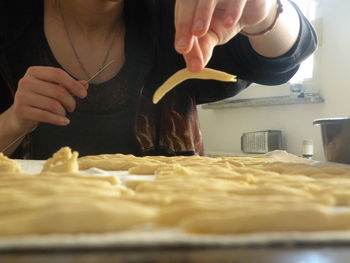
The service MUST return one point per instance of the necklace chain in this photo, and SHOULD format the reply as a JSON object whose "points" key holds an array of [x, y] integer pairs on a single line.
{"points": [[76, 55]]}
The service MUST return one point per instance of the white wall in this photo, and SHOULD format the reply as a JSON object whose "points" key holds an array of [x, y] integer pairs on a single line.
{"points": [[222, 128]]}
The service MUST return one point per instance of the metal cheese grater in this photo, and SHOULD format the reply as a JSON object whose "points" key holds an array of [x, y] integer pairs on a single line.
{"points": [[261, 141]]}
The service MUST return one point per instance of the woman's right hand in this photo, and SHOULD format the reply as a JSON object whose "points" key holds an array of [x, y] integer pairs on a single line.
{"points": [[45, 94]]}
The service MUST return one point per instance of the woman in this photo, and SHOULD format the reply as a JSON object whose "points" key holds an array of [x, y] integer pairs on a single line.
{"points": [[49, 48]]}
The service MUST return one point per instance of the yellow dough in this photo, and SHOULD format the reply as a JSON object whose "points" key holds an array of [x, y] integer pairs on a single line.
{"points": [[109, 162], [48, 203], [7, 165], [63, 161], [224, 195], [185, 74], [293, 218], [73, 215]]}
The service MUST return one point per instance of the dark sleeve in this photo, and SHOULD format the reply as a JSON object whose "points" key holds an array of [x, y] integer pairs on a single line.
{"points": [[239, 58], [6, 12], [251, 66], [15, 16], [6, 98]]}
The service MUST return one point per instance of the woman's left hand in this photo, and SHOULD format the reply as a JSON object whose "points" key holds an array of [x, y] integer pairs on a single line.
{"points": [[203, 24]]}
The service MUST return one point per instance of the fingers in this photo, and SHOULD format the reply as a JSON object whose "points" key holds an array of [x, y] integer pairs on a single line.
{"points": [[58, 76], [45, 94], [202, 17], [198, 30], [184, 11], [201, 53], [39, 115], [233, 12], [207, 45], [192, 19], [53, 91], [194, 59], [35, 107], [44, 103]]}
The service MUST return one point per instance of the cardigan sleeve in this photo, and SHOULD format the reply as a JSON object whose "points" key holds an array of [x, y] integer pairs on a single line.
{"points": [[15, 16], [239, 58]]}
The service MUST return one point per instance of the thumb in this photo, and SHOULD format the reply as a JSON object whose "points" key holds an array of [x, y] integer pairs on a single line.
{"points": [[194, 58], [207, 45]]}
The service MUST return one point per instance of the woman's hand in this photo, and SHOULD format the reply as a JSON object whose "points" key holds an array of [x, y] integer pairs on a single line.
{"points": [[203, 24], [45, 94]]}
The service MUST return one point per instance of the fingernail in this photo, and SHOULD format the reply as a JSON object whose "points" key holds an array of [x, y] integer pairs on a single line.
{"points": [[71, 109], [228, 21], [182, 43], [82, 93], [198, 26], [64, 121]]}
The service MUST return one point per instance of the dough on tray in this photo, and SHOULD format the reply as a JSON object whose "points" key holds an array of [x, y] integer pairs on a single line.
{"points": [[72, 216], [224, 195], [7, 165], [63, 161]]}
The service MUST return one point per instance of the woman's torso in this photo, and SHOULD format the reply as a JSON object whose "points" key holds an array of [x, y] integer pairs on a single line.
{"points": [[102, 122]]}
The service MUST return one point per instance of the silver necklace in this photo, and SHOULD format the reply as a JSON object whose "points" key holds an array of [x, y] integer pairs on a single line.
{"points": [[76, 55]]}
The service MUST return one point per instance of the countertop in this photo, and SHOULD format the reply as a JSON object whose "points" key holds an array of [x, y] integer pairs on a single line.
{"points": [[299, 254]]}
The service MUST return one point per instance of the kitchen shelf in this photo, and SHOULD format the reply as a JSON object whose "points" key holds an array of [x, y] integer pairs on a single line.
{"points": [[268, 101], [230, 154]]}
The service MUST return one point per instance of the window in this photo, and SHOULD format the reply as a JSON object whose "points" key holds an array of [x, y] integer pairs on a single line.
{"points": [[308, 7]]}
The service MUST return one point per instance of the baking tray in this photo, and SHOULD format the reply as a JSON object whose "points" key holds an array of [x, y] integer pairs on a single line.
{"points": [[170, 238], [150, 236]]}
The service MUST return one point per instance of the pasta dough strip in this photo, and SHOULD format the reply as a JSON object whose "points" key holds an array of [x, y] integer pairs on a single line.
{"points": [[185, 74], [298, 218]]}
